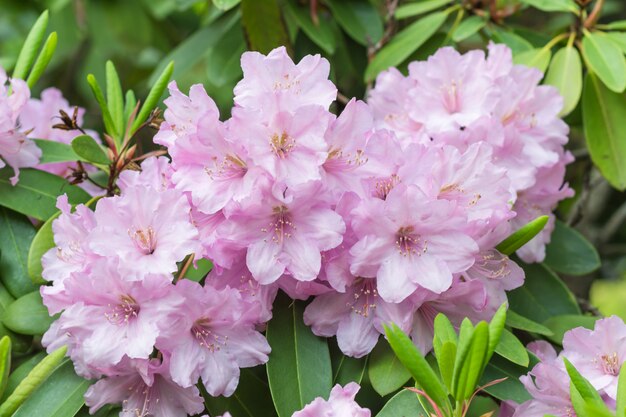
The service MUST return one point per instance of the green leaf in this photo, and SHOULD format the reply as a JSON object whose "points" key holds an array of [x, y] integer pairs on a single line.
{"points": [[620, 406], [472, 368], [263, 25], [28, 315], [566, 74], [405, 404], [52, 152], [225, 4], [570, 253], [104, 107], [619, 39], [566, 322], [115, 98], [404, 44], [20, 373], [511, 388], [322, 34], [251, 399], [522, 236], [417, 8], [61, 395], [42, 243], [198, 273], [88, 149], [617, 25], [604, 113], [299, 369], [587, 392], [36, 193], [496, 327], [468, 27], [29, 50], [385, 371], [153, 97], [33, 380], [415, 363], [359, 19], [224, 59], [130, 104], [43, 59], [538, 58], [512, 349], [606, 60], [347, 369], [19, 343], [17, 233], [5, 362], [542, 296], [520, 322], [514, 41], [445, 354], [553, 5]]}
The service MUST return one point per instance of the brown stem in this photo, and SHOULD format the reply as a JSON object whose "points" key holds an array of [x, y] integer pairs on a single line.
{"points": [[186, 266], [594, 15]]}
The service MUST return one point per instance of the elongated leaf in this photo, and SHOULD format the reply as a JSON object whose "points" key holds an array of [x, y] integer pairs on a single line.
{"points": [[517, 43], [419, 7], [566, 322], [520, 322], [566, 74], [511, 388], [153, 96], [36, 193], [20, 344], [299, 369], [130, 104], [16, 235], [570, 253], [538, 58], [617, 25], [20, 373], [251, 399], [405, 404], [31, 46], [88, 149], [52, 152], [446, 353], [5, 362], [620, 406], [468, 27], [42, 243], [522, 236], [385, 371], [43, 59], [542, 296], [415, 363], [27, 315], [263, 25], [586, 390], [349, 369], [553, 5], [33, 380], [512, 349], [619, 39], [404, 44], [359, 19], [109, 124], [322, 33], [604, 113], [476, 361], [61, 395], [115, 98], [225, 4], [496, 327], [606, 60]]}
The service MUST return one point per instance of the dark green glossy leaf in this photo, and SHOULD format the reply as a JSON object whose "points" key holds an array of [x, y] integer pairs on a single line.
{"points": [[570, 253], [16, 235], [553, 5], [299, 369], [604, 113], [321, 34], [511, 39], [511, 388], [405, 404], [520, 322], [42, 243], [385, 371], [20, 343], [359, 19], [419, 7], [606, 60], [88, 149], [36, 192], [563, 323], [263, 25], [52, 151], [27, 315], [566, 74], [225, 4], [347, 369]]}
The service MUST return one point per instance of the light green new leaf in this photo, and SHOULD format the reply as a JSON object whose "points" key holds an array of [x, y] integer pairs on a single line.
{"points": [[580, 386], [566, 74], [537, 58], [496, 327], [299, 369], [43, 59], [31, 46], [472, 367], [385, 371], [468, 27], [5, 362], [225, 4], [153, 97], [606, 60], [511, 39], [616, 25], [115, 98], [42, 243], [33, 380], [359, 19], [53, 152], [20, 373], [517, 321], [88, 149], [512, 349], [16, 235], [619, 39], [570, 253], [404, 44], [553, 5], [419, 7], [604, 113], [104, 107], [566, 322], [522, 236], [27, 315], [620, 406], [405, 404]]}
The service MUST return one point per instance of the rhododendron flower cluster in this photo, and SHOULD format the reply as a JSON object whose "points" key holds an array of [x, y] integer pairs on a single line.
{"points": [[387, 212], [597, 354]]}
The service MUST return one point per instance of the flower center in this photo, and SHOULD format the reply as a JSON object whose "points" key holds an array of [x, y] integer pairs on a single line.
{"points": [[610, 364], [145, 239], [409, 242], [282, 145], [206, 337], [122, 313], [281, 226], [364, 298], [383, 187], [231, 166], [493, 265], [451, 97]]}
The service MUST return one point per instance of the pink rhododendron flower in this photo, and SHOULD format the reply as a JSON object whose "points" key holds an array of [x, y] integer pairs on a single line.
{"points": [[212, 337], [16, 149], [154, 172], [340, 404]]}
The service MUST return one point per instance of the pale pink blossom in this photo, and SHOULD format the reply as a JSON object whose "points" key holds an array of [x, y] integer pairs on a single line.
{"points": [[154, 172], [340, 404]]}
